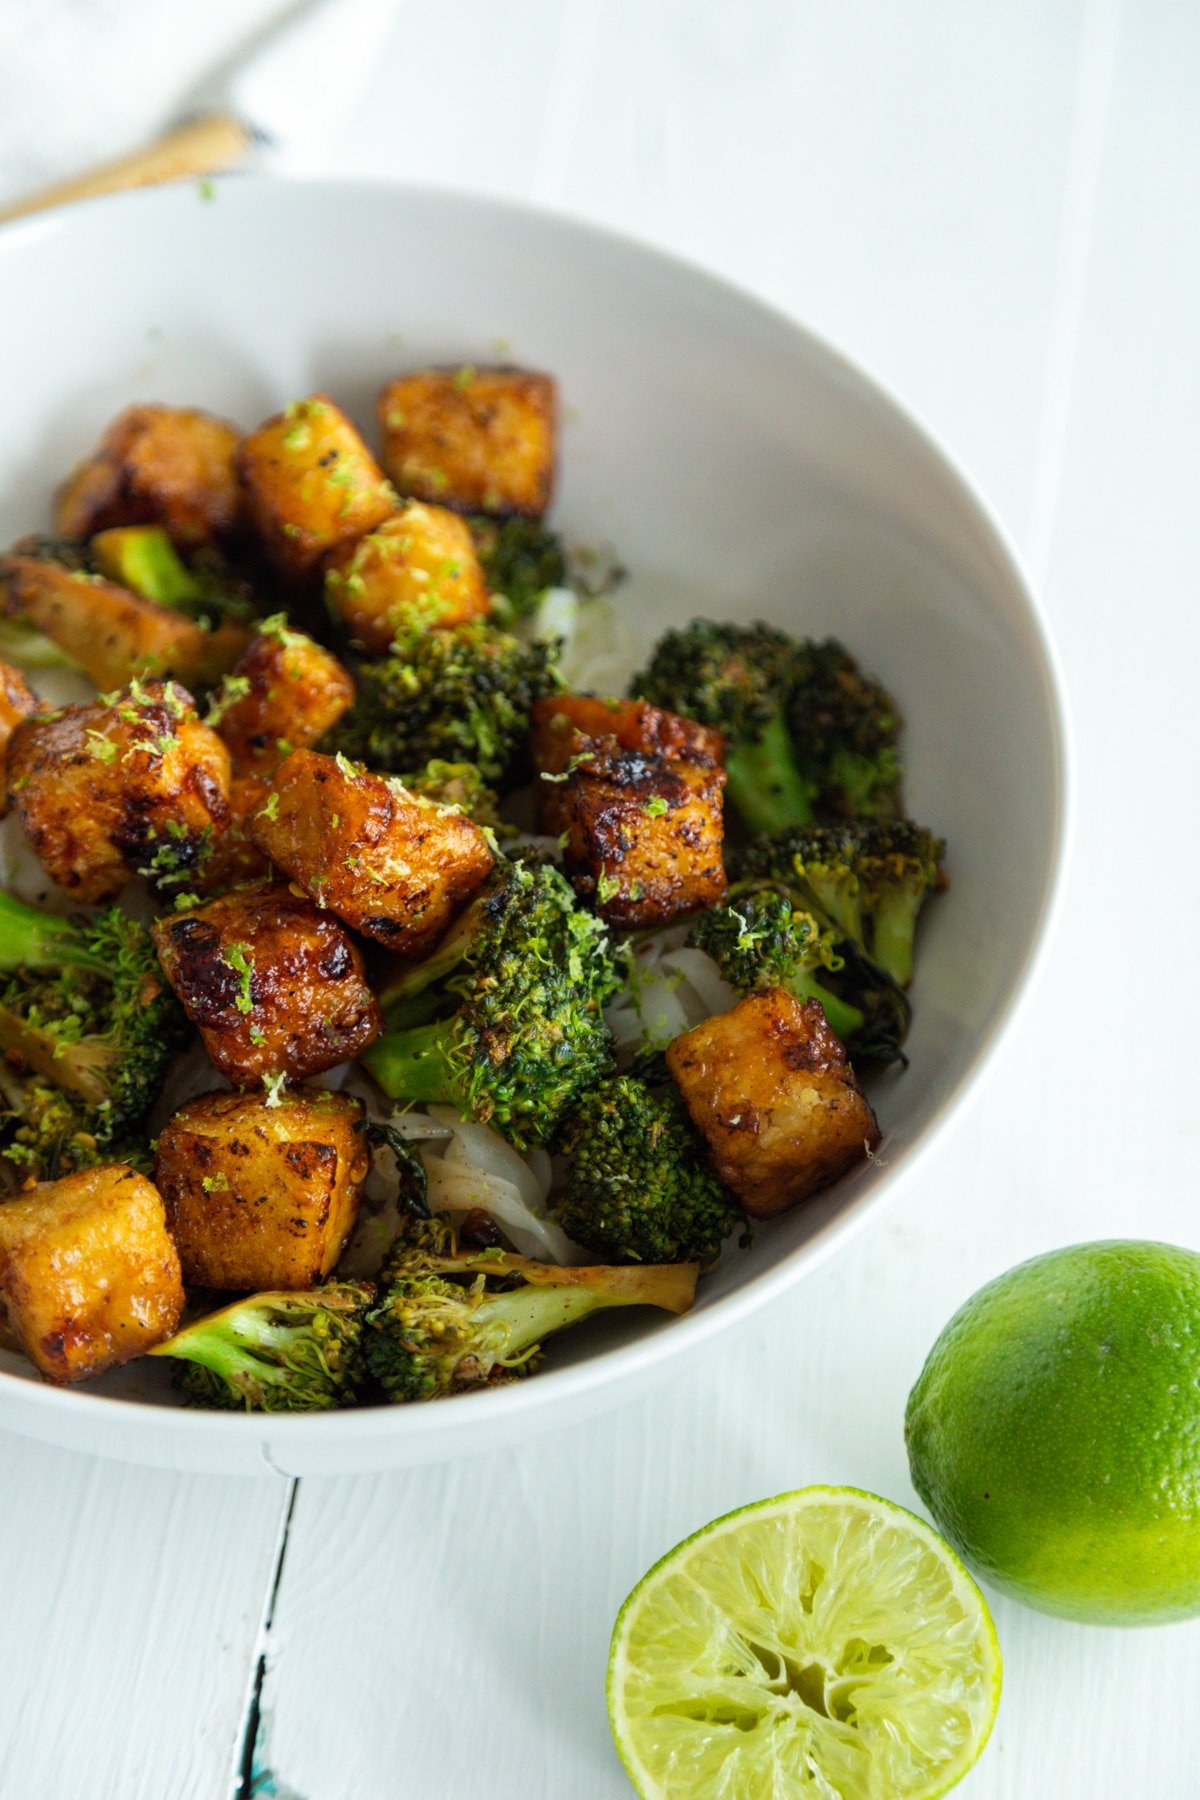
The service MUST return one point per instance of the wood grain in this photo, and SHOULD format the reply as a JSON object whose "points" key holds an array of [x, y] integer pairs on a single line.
{"points": [[200, 147]]}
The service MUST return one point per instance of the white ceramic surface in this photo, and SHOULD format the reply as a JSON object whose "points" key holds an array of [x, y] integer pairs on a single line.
{"points": [[740, 467]]}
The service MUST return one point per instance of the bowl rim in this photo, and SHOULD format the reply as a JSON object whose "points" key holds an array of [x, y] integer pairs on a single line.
{"points": [[664, 1346]]}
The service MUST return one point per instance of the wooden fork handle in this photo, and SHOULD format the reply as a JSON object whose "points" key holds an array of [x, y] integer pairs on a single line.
{"points": [[200, 147]]}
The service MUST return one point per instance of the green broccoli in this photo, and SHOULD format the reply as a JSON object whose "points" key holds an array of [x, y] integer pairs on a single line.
{"points": [[447, 1322], [871, 879], [144, 559], [521, 558], [461, 695], [456, 784], [87, 1027], [293, 1352], [807, 734], [761, 938], [504, 1020], [639, 1186], [844, 729]]}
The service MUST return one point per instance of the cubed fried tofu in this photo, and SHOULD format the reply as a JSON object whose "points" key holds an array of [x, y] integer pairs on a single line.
{"points": [[112, 633], [262, 1195], [117, 787], [768, 1087], [17, 701], [156, 465], [311, 485], [283, 694], [643, 834], [88, 1273], [394, 865], [476, 439], [419, 566], [274, 984], [561, 724]]}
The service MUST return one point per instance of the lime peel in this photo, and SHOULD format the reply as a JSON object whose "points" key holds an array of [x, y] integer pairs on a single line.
{"points": [[825, 1643]]}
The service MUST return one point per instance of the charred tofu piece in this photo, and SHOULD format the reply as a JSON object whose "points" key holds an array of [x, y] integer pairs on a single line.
{"points": [[769, 1088], [262, 1194], [393, 864], [283, 694], [134, 784], [88, 1273], [156, 465], [561, 724], [311, 485], [17, 701], [479, 440], [643, 835], [112, 633], [274, 985], [417, 568]]}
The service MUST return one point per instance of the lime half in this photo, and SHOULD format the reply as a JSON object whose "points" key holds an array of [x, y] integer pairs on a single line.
{"points": [[825, 1643]]}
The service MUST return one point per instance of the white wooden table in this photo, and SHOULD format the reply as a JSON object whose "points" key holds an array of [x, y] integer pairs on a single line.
{"points": [[994, 207]]}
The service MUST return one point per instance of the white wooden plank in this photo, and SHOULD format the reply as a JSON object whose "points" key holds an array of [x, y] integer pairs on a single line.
{"points": [[131, 1602]]}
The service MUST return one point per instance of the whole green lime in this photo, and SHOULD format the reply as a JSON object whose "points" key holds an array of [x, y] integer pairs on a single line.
{"points": [[1054, 1432]]}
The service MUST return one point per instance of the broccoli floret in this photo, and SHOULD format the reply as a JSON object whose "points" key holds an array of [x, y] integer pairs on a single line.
{"points": [[298, 1352], [520, 558], [456, 784], [871, 879], [844, 729], [87, 1027], [505, 1019], [761, 938], [461, 695], [639, 1186], [807, 734], [737, 677], [447, 1322], [144, 559]]}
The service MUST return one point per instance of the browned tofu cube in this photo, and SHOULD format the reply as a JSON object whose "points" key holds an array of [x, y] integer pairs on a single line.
{"points": [[311, 485], [17, 701], [417, 568], [392, 864], [262, 1194], [283, 694], [113, 788], [561, 723], [479, 440], [643, 835], [112, 633], [88, 1273], [274, 984], [156, 465], [234, 857], [769, 1088]]}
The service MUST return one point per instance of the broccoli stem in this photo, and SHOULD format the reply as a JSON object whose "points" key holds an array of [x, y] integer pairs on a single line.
{"points": [[764, 783], [30, 939], [842, 1018], [894, 922], [514, 1324], [142, 557], [414, 1064]]}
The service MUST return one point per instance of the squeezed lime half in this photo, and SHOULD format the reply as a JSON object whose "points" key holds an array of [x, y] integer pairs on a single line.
{"points": [[826, 1643]]}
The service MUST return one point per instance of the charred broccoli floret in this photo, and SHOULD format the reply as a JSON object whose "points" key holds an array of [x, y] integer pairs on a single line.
{"points": [[144, 558], [504, 1020], [844, 729], [87, 1027], [639, 1186], [520, 558], [295, 1352], [461, 695], [807, 734], [447, 1321], [871, 879], [761, 938]]}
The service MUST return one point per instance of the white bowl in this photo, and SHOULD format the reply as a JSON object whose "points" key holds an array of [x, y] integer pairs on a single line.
{"points": [[740, 467]]}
